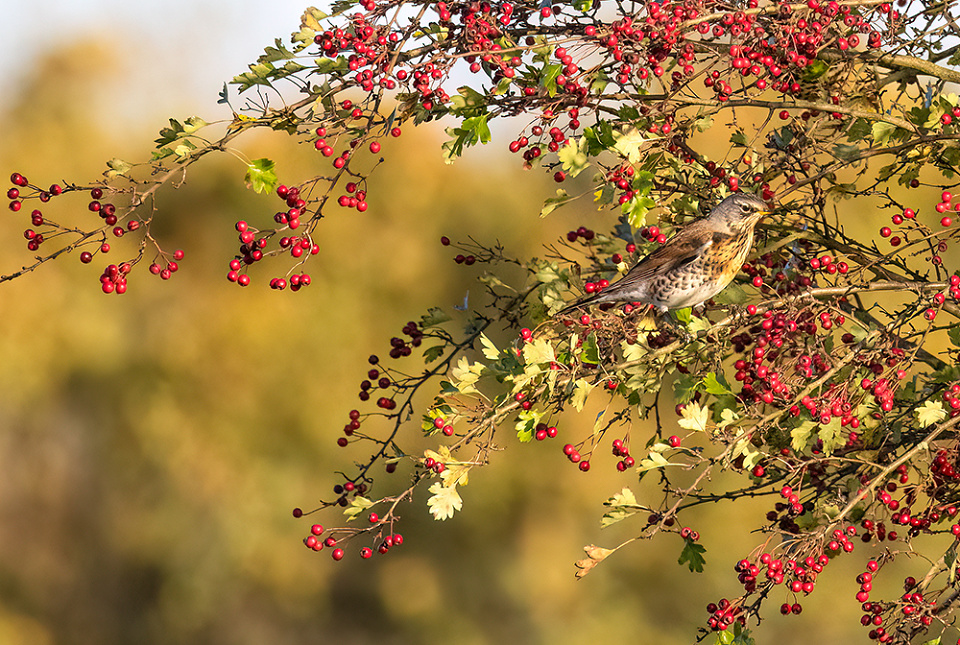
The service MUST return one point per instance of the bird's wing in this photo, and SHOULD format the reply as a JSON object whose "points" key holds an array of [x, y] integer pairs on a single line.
{"points": [[681, 249]]}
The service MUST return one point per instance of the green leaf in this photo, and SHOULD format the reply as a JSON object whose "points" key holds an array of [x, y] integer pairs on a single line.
{"points": [[622, 505], [527, 420], [260, 176], [573, 157], [490, 350], [118, 167], [548, 78], [636, 210], [692, 555], [832, 436], [684, 387], [431, 354], [357, 505], [881, 132], [629, 145], [846, 152], [434, 316], [684, 315], [800, 436], [716, 384], [591, 353], [954, 334], [552, 203], [738, 138], [814, 70], [732, 295], [538, 351], [653, 461]]}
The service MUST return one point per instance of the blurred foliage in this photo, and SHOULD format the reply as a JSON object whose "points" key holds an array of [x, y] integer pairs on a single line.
{"points": [[152, 446]]}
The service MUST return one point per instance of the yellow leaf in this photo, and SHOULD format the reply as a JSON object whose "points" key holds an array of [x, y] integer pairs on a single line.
{"points": [[580, 393], [445, 501], [490, 350], [694, 417], [538, 351]]}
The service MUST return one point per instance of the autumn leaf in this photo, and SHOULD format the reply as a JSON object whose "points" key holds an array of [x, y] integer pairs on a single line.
{"points": [[445, 501], [694, 417], [595, 555], [930, 412]]}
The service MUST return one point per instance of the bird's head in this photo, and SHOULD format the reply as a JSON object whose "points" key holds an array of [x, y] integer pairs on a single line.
{"points": [[739, 212]]}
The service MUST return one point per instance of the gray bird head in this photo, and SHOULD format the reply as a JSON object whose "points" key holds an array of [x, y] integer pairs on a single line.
{"points": [[739, 211]]}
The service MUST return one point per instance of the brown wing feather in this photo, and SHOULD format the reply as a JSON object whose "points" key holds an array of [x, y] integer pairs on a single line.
{"points": [[678, 250]]}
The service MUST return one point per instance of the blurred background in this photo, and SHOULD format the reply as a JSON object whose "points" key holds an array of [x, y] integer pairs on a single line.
{"points": [[153, 445]]}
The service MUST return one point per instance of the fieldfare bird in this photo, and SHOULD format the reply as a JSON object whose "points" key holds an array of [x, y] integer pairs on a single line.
{"points": [[692, 266]]}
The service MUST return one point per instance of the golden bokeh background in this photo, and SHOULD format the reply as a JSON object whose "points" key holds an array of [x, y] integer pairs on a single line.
{"points": [[153, 445]]}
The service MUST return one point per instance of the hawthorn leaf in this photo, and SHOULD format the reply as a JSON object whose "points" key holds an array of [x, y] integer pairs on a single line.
{"points": [[538, 351], [595, 555], [930, 412], [490, 350], [954, 334], [800, 436], [260, 176], [434, 317], [357, 505], [629, 145], [581, 391], [552, 203], [573, 156], [622, 505], [832, 436], [465, 374], [881, 132], [652, 462], [527, 420], [445, 501], [716, 384], [591, 353], [692, 556], [694, 417]]}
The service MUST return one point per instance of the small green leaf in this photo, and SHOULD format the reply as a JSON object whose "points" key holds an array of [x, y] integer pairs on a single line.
{"points": [[527, 421], [636, 209], [433, 317], [118, 167], [692, 555], [800, 436], [881, 132], [538, 351], [357, 505], [591, 353], [954, 334], [548, 78], [716, 384], [260, 176], [573, 157], [846, 152], [431, 354], [552, 203]]}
